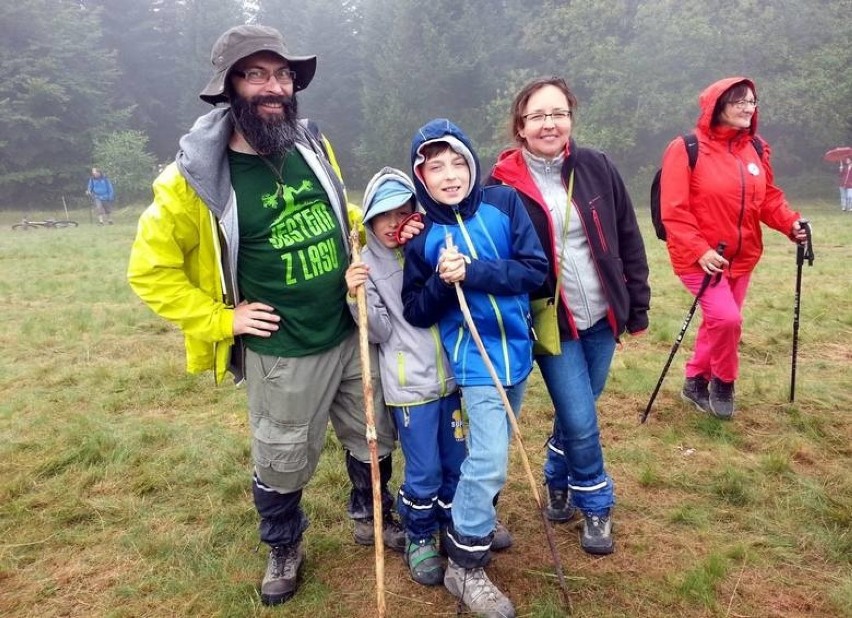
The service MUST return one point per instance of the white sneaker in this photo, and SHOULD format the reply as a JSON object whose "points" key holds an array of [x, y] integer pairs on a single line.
{"points": [[478, 592]]}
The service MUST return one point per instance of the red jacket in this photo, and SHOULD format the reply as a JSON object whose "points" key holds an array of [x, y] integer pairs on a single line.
{"points": [[725, 198], [844, 178]]}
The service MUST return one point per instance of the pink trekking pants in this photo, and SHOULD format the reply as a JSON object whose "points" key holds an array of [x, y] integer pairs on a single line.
{"points": [[716, 354]]}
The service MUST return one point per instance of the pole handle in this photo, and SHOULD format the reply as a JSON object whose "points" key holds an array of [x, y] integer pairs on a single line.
{"points": [[805, 251]]}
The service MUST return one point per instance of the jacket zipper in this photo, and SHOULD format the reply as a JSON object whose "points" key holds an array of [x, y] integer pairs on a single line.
{"points": [[742, 206], [598, 225], [504, 347]]}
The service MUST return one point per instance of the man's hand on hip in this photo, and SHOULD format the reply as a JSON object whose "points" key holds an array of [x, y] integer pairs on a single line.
{"points": [[255, 319]]}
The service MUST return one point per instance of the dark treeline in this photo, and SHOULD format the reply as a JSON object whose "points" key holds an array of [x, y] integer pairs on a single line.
{"points": [[114, 83]]}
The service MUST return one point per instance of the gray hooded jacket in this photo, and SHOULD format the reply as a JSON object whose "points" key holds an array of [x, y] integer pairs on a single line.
{"points": [[414, 368]]}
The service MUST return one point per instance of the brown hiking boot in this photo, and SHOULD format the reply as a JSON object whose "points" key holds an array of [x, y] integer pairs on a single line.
{"points": [[393, 535]]}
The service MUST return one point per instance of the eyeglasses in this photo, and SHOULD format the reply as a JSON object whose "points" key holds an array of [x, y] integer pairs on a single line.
{"points": [[559, 116], [743, 103], [258, 76]]}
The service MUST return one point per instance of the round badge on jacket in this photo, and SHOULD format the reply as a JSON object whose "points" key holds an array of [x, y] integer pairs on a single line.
{"points": [[753, 169]]}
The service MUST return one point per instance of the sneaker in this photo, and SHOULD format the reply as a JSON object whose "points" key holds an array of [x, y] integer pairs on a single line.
{"points": [[282, 573], [502, 537], [559, 507], [696, 391], [721, 398], [597, 534], [424, 563], [478, 592], [392, 534]]}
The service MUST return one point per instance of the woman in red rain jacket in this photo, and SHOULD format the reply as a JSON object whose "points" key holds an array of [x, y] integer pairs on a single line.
{"points": [[725, 199]]}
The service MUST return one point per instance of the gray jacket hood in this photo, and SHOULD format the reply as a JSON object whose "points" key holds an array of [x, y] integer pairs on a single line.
{"points": [[203, 158]]}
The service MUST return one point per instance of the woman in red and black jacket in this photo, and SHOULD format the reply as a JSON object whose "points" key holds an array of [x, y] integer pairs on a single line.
{"points": [[724, 199], [597, 246]]}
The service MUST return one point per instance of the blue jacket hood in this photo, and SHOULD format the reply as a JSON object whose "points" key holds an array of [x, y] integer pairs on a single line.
{"points": [[437, 130]]}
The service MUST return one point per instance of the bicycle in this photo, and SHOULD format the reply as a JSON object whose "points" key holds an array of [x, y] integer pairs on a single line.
{"points": [[26, 224]]}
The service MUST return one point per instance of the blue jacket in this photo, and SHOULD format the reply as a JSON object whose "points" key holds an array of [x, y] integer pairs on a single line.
{"points": [[492, 227], [101, 188]]}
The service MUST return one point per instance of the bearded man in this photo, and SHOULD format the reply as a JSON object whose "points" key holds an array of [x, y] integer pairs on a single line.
{"points": [[244, 248]]}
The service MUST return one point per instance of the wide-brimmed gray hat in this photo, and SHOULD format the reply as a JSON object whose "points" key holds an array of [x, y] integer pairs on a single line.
{"points": [[241, 41]]}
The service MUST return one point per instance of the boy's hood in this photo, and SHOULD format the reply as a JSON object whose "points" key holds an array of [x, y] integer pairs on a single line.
{"points": [[442, 130], [382, 176]]}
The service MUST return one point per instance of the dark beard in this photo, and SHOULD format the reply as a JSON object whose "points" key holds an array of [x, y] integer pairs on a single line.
{"points": [[267, 135]]}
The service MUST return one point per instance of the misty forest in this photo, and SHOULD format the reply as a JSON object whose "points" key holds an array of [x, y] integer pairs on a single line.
{"points": [[114, 83]]}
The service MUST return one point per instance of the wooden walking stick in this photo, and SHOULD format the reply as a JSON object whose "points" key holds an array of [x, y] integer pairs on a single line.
{"points": [[372, 438], [548, 529]]}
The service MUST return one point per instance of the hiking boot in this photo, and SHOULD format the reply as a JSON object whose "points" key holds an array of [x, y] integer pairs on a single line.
{"points": [[597, 534], [559, 507], [392, 534], [696, 391], [282, 573], [424, 563], [476, 591], [721, 398], [502, 537]]}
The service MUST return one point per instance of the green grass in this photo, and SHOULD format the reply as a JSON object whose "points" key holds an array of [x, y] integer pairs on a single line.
{"points": [[124, 482]]}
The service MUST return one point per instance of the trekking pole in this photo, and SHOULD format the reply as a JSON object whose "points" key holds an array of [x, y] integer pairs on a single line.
{"points": [[803, 252], [548, 530], [720, 249], [372, 438]]}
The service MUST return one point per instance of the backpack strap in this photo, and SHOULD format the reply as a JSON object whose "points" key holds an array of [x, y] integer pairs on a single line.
{"points": [[690, 140], [757, 142]]}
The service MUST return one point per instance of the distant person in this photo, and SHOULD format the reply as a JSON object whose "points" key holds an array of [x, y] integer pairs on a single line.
{"points": [[101, 191], [725, 198], [844, 181], [497, 260], [596, 254], [245, 248], [417, 378]]}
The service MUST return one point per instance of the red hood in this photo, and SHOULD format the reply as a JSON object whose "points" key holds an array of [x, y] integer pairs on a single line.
{"points": [[707, 102]]}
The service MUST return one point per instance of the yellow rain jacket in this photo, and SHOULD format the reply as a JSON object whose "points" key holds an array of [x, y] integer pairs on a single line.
{"points": [[183, 260]]}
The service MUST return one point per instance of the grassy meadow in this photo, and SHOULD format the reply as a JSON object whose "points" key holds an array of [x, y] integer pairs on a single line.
{"points": [[124, 482]]}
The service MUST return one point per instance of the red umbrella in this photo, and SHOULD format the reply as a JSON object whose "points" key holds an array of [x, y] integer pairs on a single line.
{"points": [[835, 155]]}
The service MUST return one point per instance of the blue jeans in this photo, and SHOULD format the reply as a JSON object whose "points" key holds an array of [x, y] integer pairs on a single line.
{"points": [[575, 380], [483, 472], [432, 439]]}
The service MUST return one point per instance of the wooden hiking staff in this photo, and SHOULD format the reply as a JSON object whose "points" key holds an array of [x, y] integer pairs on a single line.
{"points": [[372, 439], [548, 529]]}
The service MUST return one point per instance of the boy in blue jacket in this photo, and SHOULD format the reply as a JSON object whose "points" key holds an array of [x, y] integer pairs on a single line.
{"points": [[417, 380], [496, 257]]}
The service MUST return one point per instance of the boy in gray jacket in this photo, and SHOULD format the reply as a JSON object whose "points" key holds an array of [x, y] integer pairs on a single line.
{"points": [[419, 388]]}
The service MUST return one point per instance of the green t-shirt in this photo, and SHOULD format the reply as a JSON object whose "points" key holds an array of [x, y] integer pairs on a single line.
{"points": [[291, 255]]}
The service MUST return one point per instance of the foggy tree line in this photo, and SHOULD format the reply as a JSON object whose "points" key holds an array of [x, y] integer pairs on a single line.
{"points": [[115, 82]]}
